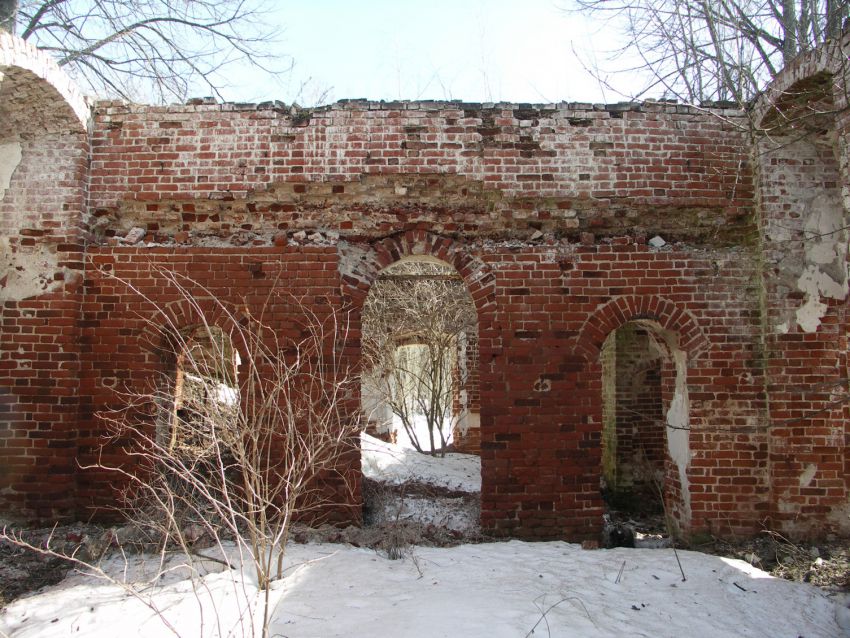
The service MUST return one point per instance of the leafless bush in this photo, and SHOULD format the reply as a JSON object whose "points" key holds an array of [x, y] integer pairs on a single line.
{"points": [[245, 453], [240, 436]]}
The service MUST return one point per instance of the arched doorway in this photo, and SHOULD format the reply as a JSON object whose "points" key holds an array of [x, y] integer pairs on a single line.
{"points": [[420, 349], [645, 449]]}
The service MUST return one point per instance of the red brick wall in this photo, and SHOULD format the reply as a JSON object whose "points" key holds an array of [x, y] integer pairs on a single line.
{"points": [[44, 150], [42, 255], [368, 169], [805, 203], [546, 213], [120, 350], [546, 411]]}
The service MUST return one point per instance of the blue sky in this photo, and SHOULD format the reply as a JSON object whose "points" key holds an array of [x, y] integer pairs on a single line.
{"points": [[472, 50]]}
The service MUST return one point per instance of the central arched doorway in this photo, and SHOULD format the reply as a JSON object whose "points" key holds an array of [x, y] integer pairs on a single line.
{"points": [[420, 358]]}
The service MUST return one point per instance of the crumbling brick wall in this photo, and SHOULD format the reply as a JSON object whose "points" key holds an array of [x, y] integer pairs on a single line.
{"points": [[804, 203], [43, 159], [124, 347], [566, 223]]}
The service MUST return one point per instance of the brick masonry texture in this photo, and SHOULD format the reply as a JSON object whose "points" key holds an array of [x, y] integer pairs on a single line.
{"points": [[549, 213]]}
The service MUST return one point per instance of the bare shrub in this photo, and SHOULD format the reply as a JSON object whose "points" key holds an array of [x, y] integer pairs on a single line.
{"points": [[250, 432]]}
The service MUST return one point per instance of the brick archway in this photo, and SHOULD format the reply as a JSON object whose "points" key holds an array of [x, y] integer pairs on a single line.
{"points": [[809, 74], [684, 341], [361, 266], [621, 310], [159, 333], [36, 96]]}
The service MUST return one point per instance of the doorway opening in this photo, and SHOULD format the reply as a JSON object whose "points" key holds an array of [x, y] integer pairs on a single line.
{"points": [[644, 435], [419, 394], [420, 344]]}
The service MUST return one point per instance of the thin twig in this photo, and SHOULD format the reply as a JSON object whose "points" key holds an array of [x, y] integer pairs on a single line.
{"points": [[620, 573]]}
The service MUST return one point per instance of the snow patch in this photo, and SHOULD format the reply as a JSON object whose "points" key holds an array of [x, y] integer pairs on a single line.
{"points": [[395, 464]]}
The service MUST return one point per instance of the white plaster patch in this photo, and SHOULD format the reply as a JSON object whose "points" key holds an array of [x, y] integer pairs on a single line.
{"points": [[810, 313], [785, 506], [815, 281], [678, 430], [10, 157], [778, 233], [808, 474], [468, 421], [825, 273], [27, 272]]}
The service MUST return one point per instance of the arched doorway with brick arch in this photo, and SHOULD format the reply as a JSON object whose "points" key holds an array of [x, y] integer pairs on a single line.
{"points": [[374, 277], [640, 347]]}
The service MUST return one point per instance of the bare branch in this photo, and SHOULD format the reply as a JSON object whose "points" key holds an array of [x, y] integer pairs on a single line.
{"points": [[150, 48], [701, 51], [415, 323]]}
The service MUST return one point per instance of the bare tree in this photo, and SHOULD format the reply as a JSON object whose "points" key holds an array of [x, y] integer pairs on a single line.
{"points": [[151, 48], [718, 50], [416, 319]]}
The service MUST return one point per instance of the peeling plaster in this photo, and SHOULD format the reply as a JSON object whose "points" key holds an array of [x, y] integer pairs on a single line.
{"points": [[10, 157], [825, 270], [354, 260], [467, 421], [27, 272], [678, 430]]}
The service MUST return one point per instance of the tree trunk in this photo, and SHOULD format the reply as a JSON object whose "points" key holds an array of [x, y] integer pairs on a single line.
{"points": [[836, 13], [8, 13], [789, 31]]}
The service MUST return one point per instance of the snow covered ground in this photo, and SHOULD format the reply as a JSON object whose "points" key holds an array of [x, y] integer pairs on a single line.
{"points": [[492, 590], [488, 590], [399, 463], [436, 497]]}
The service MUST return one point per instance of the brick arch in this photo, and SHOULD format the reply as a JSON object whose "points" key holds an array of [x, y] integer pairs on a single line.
{"points": [[36, 96], [364, 267], [621, 310], [802, 75], [179, 316]]}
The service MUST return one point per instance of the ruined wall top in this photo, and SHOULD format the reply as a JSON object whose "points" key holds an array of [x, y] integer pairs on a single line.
{"points": [[362, 168], [613, 110]]}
